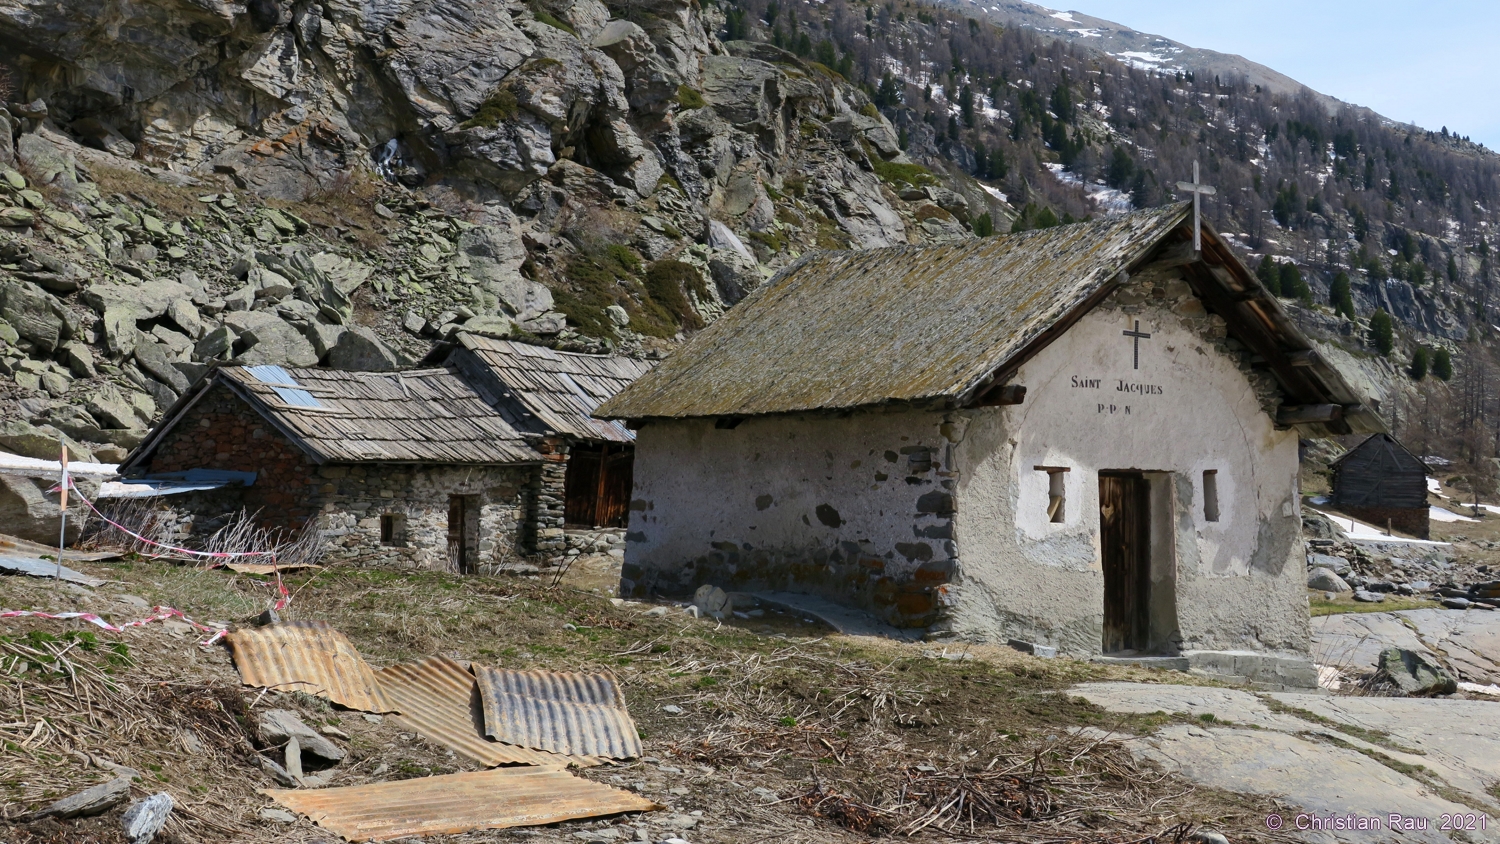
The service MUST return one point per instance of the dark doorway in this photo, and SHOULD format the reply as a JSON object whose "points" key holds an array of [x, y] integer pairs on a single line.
{"points": [[598, 484], [458, 535], [1125, 543]]}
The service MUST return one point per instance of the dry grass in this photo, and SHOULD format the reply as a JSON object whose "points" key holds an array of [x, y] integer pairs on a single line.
{"points": [[854, 738]]}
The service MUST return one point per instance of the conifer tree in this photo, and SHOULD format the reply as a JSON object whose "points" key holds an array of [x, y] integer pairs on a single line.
{"points": [[984, 225], [1382, 333], [1266, 272], [1293, 285], [1418, 368], [1442, 365], [1340, 297]]}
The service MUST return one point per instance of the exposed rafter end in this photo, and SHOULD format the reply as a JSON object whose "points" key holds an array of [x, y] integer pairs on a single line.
{"points": [[1001, 395], [1306, 414]]}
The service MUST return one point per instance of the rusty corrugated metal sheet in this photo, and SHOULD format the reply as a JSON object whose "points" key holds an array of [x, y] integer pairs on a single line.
{"points": [[563, 712], [307, 656], [854, 328], [454, 803], [439, 698], [557, 391]]}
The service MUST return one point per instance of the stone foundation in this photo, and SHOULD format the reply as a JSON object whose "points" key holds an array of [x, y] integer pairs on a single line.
{"points": [[1413, 521]]}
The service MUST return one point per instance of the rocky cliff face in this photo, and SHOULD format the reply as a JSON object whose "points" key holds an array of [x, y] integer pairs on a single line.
{"points": [[346, 182]]}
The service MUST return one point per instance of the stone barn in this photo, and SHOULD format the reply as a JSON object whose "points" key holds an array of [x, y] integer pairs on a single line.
{"points": [[549, 396], [1379, 481], [399, 468], [1082, 437]]}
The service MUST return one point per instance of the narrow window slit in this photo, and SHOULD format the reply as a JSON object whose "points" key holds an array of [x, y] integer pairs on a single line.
{"points": [[1057, 503], [1211, 495]]}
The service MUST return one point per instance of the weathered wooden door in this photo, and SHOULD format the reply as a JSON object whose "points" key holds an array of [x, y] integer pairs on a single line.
{"points": [[598, 485], [1125, 543], [458, 543]]}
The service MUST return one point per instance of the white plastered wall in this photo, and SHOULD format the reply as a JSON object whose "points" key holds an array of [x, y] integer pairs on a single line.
{"points": [[851, 507], [1239, 581]]}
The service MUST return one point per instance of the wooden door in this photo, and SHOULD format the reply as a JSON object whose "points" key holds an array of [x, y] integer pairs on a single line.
{"points": [[597, 487], [458, 544], [1125, 544]]}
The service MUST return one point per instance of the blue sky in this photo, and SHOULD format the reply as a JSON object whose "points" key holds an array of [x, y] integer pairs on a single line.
{"points": [[1434, 64]]}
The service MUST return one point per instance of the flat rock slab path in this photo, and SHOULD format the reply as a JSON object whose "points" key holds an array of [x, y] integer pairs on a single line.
{"points": [[1467, 641], [1330, 757]]}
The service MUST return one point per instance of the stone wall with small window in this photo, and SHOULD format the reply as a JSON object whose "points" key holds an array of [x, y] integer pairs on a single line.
{"points": [[375, 514], [384, 515]]}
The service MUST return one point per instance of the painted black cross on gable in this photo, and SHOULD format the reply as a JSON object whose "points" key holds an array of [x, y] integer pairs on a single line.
{"points": [[1138, 335]]}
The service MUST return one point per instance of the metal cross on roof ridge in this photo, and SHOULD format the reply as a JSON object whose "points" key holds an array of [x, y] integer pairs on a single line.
{"points": [[1198, 190]]}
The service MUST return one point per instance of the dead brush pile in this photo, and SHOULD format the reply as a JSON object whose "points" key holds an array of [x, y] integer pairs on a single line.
{"points": [[895, 750], [68, 706]]}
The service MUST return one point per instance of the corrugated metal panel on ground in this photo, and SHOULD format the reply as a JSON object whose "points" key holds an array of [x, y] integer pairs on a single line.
{"points": [[455, 803], [307, 656], [440, 699], [563, 712]]}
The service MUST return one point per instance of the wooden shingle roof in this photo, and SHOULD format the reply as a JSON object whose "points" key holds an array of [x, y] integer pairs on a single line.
{"points": [[545, 391], [937, 326], [418, 416]]}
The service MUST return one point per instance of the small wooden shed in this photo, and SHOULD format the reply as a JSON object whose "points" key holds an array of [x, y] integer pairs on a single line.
{"points": [[1381, 482], [550, 395]]}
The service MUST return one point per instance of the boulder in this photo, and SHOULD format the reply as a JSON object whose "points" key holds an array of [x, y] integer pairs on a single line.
{"points": [[29, 513], [111, 409], [712, 601], [120, 332], [491, 326], [267, 339], [146, 817], [360, 350], [734, 274], [278, 726], [7, 139], [90, 801], [154, 361], [1415, 673], [42, 442], [495, 254], [79, 358], [1368, 597], [35, 314], [1325, 580]]}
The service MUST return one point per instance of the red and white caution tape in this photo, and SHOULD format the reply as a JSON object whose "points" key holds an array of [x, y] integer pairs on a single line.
{"points": [[159, 614], [284, 598]]}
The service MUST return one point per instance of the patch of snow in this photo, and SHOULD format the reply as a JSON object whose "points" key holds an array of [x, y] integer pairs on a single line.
{"points": [[1086, 33], [1475, 688], [1435, 486], [1106, 199], [1441, 514], [1066, 17], [31, 465], [1137, 55], [995, 192], [1361, 531]]}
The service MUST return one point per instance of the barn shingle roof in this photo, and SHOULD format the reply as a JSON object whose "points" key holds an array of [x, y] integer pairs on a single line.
{"points": [[417, 416], [545, 391], [936, 325]]}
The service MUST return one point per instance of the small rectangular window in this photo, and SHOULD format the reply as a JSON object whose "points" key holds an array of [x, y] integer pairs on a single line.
{"points": [[1211, 495], [1057, 504], [391, 529]]}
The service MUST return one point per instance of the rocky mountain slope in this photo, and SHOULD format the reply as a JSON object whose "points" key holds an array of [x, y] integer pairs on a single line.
{"points": [[345, 183], [1141, 50], [339, 182]]}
